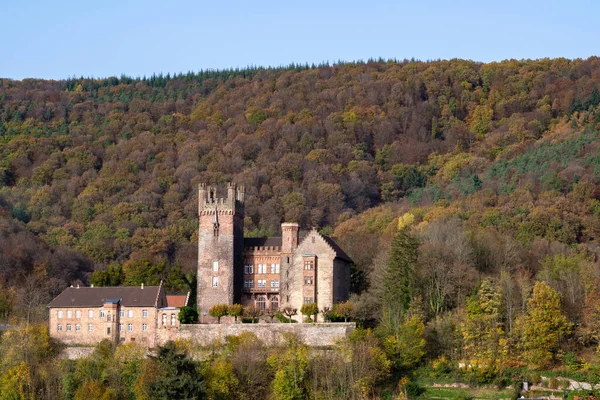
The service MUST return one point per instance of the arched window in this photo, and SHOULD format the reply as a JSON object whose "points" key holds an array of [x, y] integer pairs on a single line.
{"points": [[60, 314], [275, 303], [69, 314], [173, 319], [261, 303], [164, 319]]}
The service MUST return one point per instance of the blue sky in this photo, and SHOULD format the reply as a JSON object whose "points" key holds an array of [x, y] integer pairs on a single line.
{"points": [[100, 38]]}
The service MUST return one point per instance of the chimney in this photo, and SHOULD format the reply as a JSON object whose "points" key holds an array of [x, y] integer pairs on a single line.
{"points": [[289, 236], [142, 285]]}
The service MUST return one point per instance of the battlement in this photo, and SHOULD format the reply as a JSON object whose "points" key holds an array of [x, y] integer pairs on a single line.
{"points": [[209, 203]]}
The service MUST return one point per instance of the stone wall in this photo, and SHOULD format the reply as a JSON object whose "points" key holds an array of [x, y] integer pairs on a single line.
{"points": [[321, 334]]}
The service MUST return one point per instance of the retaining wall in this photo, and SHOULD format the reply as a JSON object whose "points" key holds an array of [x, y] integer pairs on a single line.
{"points": [[319, 334]]}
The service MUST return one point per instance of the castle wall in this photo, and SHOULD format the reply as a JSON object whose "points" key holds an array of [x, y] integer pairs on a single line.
{"points": [[322, 334]]}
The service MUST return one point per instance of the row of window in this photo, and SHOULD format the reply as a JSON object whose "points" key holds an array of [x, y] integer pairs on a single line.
{"points": [[309, 265], [261, 268], [261, 283], [102, 313], [59, 327], [261, 303]]}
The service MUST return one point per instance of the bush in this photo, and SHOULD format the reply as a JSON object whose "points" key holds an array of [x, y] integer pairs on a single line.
{"points": [[282, 318], [414, 390], [188, 315]]}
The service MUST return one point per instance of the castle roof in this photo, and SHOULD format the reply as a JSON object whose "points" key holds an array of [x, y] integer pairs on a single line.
{"points": [[177, 300], [339, 253], [276, 242], [128, 296], [263, 242]]}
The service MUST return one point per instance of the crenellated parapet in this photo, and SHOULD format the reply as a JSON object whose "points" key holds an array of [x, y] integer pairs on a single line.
{"points": [[209, 203]]}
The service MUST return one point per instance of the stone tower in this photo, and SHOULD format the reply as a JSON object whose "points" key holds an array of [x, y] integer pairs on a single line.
{"points": [[220, 246]]}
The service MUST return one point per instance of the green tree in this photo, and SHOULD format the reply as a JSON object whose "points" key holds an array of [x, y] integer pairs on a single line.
{"points": [[235, 311], [544, 326], [113, 276], [397, 285], [179, 378], [188, 315], [290, 366], [484, 340], [406, 346], [218, 310]]}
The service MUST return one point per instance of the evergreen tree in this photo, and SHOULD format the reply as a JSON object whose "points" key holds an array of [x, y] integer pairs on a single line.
{"points": [[180, 378], [397, 286]]}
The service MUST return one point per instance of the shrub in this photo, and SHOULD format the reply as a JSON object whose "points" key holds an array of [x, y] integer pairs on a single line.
{"points": [[188, 315]]}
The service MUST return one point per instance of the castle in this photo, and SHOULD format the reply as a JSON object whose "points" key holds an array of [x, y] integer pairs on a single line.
{"points": [[272, 272]]}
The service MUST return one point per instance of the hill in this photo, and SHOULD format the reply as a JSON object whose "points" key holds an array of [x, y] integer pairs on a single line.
{"points": [[108, 168]]}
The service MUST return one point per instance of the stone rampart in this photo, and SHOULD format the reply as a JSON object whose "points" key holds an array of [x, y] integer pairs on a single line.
{"points": [[320, 334]]}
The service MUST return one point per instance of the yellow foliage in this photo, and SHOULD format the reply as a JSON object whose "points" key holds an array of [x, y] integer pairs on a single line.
{"points": [[406, 220]]}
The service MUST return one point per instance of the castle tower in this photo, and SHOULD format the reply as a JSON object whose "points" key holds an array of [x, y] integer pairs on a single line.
{"points": [[220, 246]]}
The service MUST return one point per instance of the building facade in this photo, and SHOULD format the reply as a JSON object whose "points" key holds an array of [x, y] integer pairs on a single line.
{"points": [[270, 273], [88, 315]]}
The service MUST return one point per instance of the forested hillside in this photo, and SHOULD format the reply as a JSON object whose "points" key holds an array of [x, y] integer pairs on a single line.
{"points": [[99, 172], [468, 195]]}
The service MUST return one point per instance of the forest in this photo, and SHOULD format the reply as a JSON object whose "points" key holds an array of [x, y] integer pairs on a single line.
{"points": [[467, 194]]}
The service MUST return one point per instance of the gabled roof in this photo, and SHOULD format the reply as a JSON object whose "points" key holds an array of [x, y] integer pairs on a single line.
{"points": [[97, 296], [339, 253], [177, 300]]}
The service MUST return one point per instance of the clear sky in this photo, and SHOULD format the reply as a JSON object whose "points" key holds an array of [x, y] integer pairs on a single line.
{"points": [[62, 38]]}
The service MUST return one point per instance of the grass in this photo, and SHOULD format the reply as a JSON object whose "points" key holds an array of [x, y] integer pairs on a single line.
{"points": [[457, 393]]}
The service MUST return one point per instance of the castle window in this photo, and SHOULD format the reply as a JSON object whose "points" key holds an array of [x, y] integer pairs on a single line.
{"points": [[78, 314], [90, 313], [173, 319], [275, 303], [261, 303], [108, 330], [59, 328], [308, 280], [215, 266], [274, 284], [102, 314], [262, 268], [308, 300], [130, 313], [130, 327], [144, 327], [68, 327], [261, 283], [77, 328], [144, 313], [121, 327], [122, 313], [248, 269], [215, 281], [308, 265], [274, 268], [108, 318], [164, 319], [248, 283], [59, 314], [90, 327], [69, 314]]}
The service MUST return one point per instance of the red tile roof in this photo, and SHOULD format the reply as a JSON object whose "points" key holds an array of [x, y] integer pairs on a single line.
{"points": [[177, 300]]}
